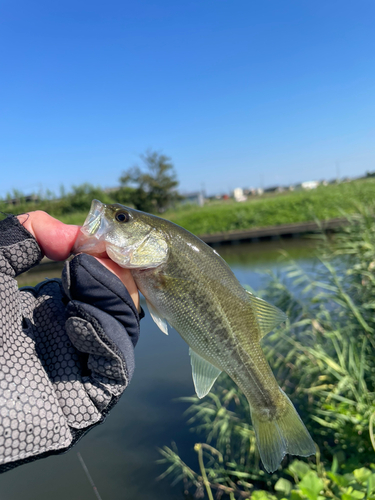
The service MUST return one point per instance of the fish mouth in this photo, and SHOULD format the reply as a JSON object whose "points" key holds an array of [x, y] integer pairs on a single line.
{"points": [[91, 236], [93, 222]]}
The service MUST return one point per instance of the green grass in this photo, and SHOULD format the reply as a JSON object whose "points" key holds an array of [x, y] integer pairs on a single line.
{"points": [[77, 218], [325, 202]]}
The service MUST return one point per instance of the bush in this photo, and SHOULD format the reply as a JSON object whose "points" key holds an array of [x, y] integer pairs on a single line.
{"points": [[71, 207]]}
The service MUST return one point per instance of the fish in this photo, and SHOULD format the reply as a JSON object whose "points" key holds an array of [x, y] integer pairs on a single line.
{"points": [[188, 285]]}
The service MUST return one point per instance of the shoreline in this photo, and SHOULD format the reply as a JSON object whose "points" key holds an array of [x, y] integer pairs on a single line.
{"points": [[273, 232]]}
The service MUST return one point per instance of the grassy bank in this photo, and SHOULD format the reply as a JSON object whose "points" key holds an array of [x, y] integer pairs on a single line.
{"points": [[323, 358], [323, 203]]}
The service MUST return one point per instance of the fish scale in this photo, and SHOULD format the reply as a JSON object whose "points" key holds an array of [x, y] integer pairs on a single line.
{"points": [[222, 340], [188, 285]]}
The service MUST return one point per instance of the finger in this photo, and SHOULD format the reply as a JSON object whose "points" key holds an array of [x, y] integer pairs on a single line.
{"points": [[55, 238], [125, 276]]}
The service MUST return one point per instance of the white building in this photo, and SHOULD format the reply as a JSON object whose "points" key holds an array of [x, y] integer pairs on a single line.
{"points": [[238, 194], [310, 185]]}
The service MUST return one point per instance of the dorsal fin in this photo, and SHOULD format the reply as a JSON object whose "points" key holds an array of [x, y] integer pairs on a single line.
{"points": [[204, 373], [161, 322], [267, 315]]}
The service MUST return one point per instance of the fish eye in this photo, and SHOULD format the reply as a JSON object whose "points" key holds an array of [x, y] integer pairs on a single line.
{"points": [[122, 217]]}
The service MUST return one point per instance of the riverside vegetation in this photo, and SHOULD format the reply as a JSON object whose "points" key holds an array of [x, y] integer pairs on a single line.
{"points": [[324, 359], [323, 203]]}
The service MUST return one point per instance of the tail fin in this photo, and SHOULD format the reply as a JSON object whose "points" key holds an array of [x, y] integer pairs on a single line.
{"points": [[285, 433]]}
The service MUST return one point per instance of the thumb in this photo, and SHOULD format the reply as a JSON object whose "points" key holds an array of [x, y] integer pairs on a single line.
{"points": [[55, 238]]}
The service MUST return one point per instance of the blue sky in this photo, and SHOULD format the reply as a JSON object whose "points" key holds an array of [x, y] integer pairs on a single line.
{"points": [[236, 92]]}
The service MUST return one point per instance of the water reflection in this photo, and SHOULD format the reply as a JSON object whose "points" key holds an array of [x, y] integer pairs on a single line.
{"points": [[251, 261], [267, 253], [121, 454]]}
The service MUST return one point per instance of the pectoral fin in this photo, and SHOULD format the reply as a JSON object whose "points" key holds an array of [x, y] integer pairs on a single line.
{"points": [[268, 316], [161, 322], [204, 374]]}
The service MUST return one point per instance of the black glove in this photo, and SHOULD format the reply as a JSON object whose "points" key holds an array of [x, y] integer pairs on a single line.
{"points": [[66, 350]]}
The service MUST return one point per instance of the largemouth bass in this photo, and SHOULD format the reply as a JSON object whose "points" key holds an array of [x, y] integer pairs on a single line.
{"points": [[188, 285]]}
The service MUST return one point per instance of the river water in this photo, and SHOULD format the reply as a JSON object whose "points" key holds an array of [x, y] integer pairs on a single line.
{"points": [[121, 454]]}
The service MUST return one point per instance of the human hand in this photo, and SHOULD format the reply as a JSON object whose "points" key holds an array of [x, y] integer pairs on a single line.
{"points": [[68, 344], [56, 241]]}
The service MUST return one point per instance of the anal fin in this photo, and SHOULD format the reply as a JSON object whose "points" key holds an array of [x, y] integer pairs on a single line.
{"points": [[204, 374]]}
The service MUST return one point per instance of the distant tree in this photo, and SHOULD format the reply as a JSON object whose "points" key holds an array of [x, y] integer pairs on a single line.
{"points": [[78, 199], [125, 195], [155, 189]]}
